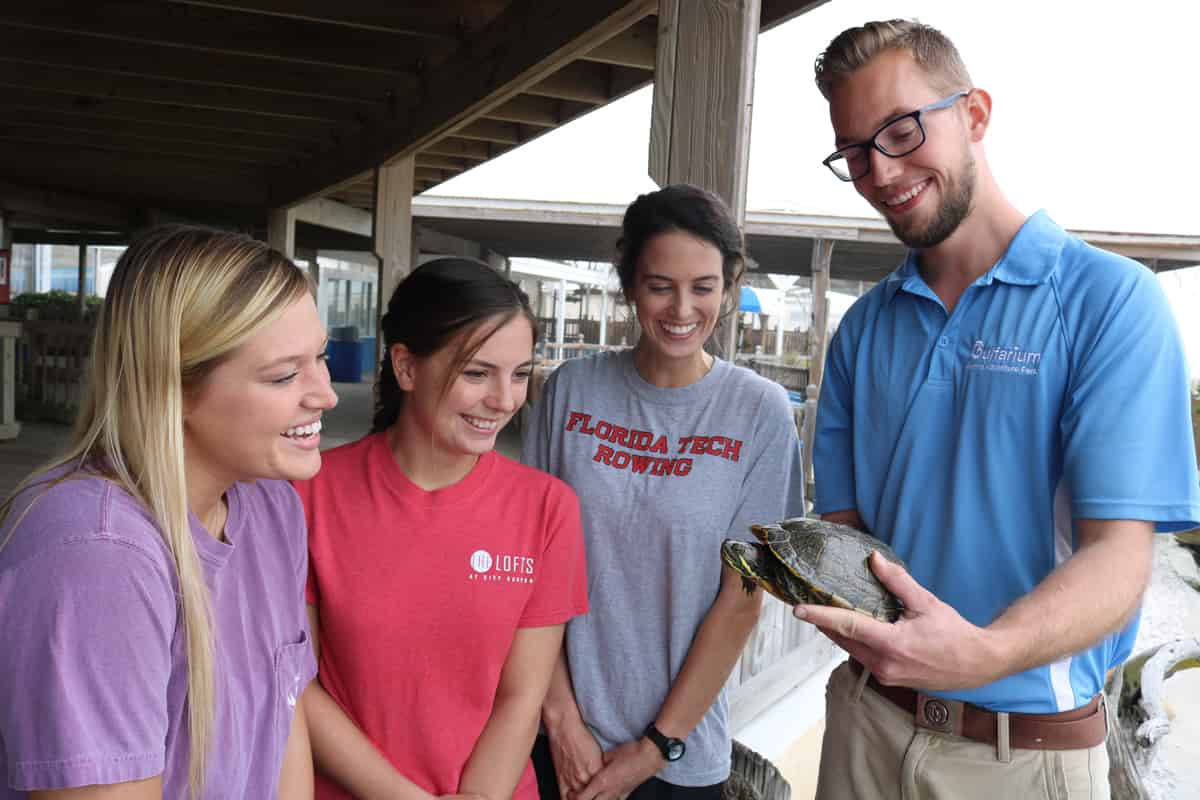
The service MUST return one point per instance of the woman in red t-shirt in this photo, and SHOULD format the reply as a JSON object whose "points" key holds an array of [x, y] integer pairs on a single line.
{"points": [[441, 573]]}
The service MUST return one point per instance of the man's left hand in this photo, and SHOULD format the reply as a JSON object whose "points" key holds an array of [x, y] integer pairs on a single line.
{"points": [[930, 647], [626, 767]]}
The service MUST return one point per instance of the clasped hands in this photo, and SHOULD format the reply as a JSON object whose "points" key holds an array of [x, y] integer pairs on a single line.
{"points": [[585, 772]]}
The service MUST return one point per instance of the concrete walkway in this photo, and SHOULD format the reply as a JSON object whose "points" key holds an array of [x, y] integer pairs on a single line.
{"points": [[349, 420]]}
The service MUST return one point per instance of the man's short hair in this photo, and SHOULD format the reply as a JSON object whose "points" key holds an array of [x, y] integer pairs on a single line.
{"points": [[854, 47]]}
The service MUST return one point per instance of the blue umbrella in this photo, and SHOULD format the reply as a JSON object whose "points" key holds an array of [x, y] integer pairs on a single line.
{"points": [[750, 301]]}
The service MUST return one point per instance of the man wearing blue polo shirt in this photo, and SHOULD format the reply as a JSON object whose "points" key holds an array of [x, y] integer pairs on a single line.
{"points": [[1009, 410]]}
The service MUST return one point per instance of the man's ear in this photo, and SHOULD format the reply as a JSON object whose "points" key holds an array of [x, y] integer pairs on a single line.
{"points": [[979, 113], [403, 366]]}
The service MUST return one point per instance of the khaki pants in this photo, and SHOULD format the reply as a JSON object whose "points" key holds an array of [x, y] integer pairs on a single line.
{"points": [[873, 750]]}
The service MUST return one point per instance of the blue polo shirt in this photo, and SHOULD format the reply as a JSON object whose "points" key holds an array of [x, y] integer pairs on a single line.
{"points": [[1056, 390]]}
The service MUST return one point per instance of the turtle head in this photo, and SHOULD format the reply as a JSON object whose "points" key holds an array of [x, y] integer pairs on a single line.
{"points": [[743, 558]]}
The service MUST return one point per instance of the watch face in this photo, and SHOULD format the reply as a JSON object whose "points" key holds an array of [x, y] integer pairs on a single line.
{"points": [[674, 750]]}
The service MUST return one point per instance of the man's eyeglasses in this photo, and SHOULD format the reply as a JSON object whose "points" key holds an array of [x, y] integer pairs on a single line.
{"points": [[897, 138]]}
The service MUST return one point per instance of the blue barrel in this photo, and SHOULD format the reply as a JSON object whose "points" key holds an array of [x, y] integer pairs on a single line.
{"points": [[345, 361], [369, 364]]}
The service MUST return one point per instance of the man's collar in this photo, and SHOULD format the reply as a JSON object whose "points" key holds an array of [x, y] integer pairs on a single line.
{"points": [[1031, 258]]}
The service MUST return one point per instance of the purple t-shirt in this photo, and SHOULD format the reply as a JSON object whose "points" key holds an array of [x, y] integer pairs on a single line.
{"points": [[93, 670]]}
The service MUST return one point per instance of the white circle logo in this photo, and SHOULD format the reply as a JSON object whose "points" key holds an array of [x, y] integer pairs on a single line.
{"points": [[481, 561]]}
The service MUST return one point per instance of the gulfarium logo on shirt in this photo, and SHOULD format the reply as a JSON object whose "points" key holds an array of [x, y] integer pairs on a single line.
{"points": [[500, 567], [1003, 358]]}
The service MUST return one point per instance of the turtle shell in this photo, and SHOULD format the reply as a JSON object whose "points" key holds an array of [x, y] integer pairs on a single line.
{"points": [[830, 561]]}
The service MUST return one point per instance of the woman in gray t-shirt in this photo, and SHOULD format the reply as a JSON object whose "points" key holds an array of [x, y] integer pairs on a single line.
{"points": [[670, 451]]}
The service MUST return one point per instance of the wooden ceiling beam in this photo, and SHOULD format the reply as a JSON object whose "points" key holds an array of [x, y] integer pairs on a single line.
{"points": [[139, 179], [490, 130], [154, 131], [525, 44], [528, 110], [635, 47], [21, 135], [82, 82], [292, 132], [462, 148], [134, 138], [223, 32], [426, 159], [189, 67], [582, 81], [777, 12], [431, 174], [447, 20], [64, 207]]}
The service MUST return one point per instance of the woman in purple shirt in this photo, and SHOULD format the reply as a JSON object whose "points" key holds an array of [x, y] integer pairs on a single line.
{"points": [[154, 638]]}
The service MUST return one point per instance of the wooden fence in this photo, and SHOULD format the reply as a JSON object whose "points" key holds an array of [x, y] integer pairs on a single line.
{"points": [[51, 364]]}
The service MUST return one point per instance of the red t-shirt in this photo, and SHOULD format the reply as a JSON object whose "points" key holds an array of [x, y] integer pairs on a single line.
{"points": [[421, 593]]}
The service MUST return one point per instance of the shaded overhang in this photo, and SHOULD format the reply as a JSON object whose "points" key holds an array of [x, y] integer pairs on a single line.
{"points": [[126, 112], [778, 242]]}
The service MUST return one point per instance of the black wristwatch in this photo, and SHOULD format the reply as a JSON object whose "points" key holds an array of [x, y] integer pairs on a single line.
{"points": [[672, 749]]}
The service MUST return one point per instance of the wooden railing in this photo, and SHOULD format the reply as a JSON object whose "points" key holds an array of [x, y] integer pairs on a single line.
{"points": [[782, 653], [51, 365]]}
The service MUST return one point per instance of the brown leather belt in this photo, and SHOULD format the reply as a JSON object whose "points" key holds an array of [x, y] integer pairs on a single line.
{"points": [[1067, 730]]}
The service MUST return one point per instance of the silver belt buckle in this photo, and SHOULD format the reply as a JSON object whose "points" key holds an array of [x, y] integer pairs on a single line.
{"points": [[939, 714]]}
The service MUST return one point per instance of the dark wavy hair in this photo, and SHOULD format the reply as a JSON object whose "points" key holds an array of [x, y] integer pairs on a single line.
{"points": [[686, 208], [443, 301]]}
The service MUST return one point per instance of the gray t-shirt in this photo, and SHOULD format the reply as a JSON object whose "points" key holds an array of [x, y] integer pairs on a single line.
{"points": [[93, 669], [663, 476]]}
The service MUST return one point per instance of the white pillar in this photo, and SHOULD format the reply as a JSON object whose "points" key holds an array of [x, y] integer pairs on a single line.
{"points": [[560, 315], [779, 331], [604, 307]]}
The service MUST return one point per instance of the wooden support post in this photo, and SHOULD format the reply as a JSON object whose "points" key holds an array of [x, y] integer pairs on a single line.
{"points": [[10, 331], [281, 231], [822, 254], [393, 229], [81, 293], [703, 94], [604, 307], [499, 262]]}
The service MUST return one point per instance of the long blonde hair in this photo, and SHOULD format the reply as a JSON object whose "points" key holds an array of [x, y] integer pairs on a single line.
{"points": [[181, 300]]}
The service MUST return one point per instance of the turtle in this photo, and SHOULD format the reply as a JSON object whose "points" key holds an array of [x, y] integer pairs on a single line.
{"points": [[812, 561]]}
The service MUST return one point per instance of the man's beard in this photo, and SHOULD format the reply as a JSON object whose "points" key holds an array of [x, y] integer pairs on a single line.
{"points": [[950, 214]]}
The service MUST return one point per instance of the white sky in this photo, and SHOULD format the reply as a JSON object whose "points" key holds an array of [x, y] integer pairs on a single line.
{"points": [[1095, 118]]}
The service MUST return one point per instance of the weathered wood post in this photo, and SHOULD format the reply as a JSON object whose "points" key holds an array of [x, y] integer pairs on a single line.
{"points": [[822, 255], [10, 331], [392, 231], [703, 95], [281, 231]]}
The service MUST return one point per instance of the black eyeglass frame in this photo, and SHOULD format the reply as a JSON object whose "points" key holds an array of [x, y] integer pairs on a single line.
{"points": [[872, 144]]}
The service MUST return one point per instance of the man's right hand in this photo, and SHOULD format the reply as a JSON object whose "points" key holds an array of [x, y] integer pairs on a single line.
{"points": [[577, 756]]}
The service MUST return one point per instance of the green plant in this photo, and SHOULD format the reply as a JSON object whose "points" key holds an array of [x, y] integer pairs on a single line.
{"points": [[55, 304]]}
